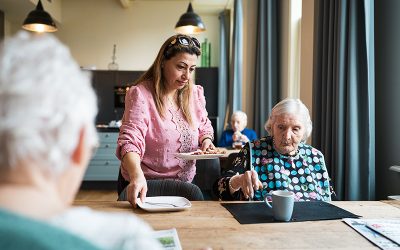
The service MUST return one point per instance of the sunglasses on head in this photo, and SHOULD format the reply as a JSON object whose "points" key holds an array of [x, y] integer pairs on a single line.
{"points": [[185, 41]]}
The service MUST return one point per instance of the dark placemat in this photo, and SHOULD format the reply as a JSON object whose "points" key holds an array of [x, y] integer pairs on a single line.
{"points": [[259, 212]]}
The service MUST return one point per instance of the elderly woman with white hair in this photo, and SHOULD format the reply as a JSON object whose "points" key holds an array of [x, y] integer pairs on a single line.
{"points": [[47, 135], [238, 134], [280, 161]]}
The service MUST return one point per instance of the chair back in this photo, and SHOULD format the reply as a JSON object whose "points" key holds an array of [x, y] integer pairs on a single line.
{"points": [[164, 187], [207, 171], [174, 188]]}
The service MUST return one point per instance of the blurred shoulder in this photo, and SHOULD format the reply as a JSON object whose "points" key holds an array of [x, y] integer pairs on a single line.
{"points": [[110, 230], [88, 215]]}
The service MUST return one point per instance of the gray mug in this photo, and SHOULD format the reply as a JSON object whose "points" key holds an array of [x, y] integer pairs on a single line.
{"points": [[282, 204]]}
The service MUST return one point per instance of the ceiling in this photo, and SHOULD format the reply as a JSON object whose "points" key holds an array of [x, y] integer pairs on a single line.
{"points": [[211, 6], [199, 6], [17, 10]]}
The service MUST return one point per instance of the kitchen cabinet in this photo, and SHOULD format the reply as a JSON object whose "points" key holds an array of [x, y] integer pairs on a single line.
{"points": [[105, 83], [208, 78], [104, 165]]}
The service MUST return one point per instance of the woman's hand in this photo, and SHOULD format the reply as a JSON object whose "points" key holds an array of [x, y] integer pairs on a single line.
{"points": [[137, 185], [137, 181], [207, 144], [247, 182]]}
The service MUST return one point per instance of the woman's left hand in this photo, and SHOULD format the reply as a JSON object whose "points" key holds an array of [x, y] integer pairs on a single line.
{"points": [[207, 144]]}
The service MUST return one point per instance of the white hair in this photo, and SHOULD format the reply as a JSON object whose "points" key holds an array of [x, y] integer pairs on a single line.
{"points": [[45, 101], [241, 115], [290, 106]]}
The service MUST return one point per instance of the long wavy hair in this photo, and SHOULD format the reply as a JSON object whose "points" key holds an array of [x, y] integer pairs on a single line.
{"points": [[154, 74]]}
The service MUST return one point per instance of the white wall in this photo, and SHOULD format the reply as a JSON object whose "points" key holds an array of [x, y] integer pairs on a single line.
{"points": [[10, 27], [284, 47], [297, 36], [290, 47], [91, 27], [7, 27], [306, 59]]}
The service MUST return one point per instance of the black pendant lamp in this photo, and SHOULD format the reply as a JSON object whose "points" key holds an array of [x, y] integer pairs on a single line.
{"points": [[189, 22], [39, 20]]}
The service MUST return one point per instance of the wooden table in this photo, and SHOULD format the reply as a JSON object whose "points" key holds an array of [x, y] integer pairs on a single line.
{"points": [[208, 224]]}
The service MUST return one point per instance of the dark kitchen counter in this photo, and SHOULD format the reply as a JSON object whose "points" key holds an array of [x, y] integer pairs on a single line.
{"points": [[101, 128]]}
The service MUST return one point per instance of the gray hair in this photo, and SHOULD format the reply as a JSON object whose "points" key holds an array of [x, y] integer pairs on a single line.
{"points": [[290, 106], [45, 101], [242, 115]]}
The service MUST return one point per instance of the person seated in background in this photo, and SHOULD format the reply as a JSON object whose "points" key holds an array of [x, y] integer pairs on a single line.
{"points": [[47, 136], [280, 161], [238, 135]]}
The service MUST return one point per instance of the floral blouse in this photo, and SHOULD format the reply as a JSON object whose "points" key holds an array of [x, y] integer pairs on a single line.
{"points": [[304, 174], [157, 139]]}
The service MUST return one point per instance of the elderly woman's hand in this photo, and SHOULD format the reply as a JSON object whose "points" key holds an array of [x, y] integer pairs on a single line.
{"points": [[247, 182], [244, 138], [236, 136]]}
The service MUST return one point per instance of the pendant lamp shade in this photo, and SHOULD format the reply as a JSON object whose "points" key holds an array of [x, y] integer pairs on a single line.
{"points": [[39, 20], [189, 22]]}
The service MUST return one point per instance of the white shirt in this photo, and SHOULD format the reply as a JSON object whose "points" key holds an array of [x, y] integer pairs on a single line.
{"points": [[110, 230]]}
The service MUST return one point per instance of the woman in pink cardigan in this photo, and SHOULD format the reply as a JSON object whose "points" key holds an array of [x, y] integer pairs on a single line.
{"points": [[164, 114]]}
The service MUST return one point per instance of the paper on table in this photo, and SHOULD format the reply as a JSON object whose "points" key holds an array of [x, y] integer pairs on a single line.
{"points": [[168, 238], [360, 226], [388, 228]]}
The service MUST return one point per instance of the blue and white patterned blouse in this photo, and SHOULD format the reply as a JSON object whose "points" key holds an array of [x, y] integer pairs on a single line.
{"points": [[304, 174]]}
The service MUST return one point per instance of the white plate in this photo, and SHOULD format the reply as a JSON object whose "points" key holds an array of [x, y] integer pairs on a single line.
{"points": [[164, 203], [191, 156]]}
